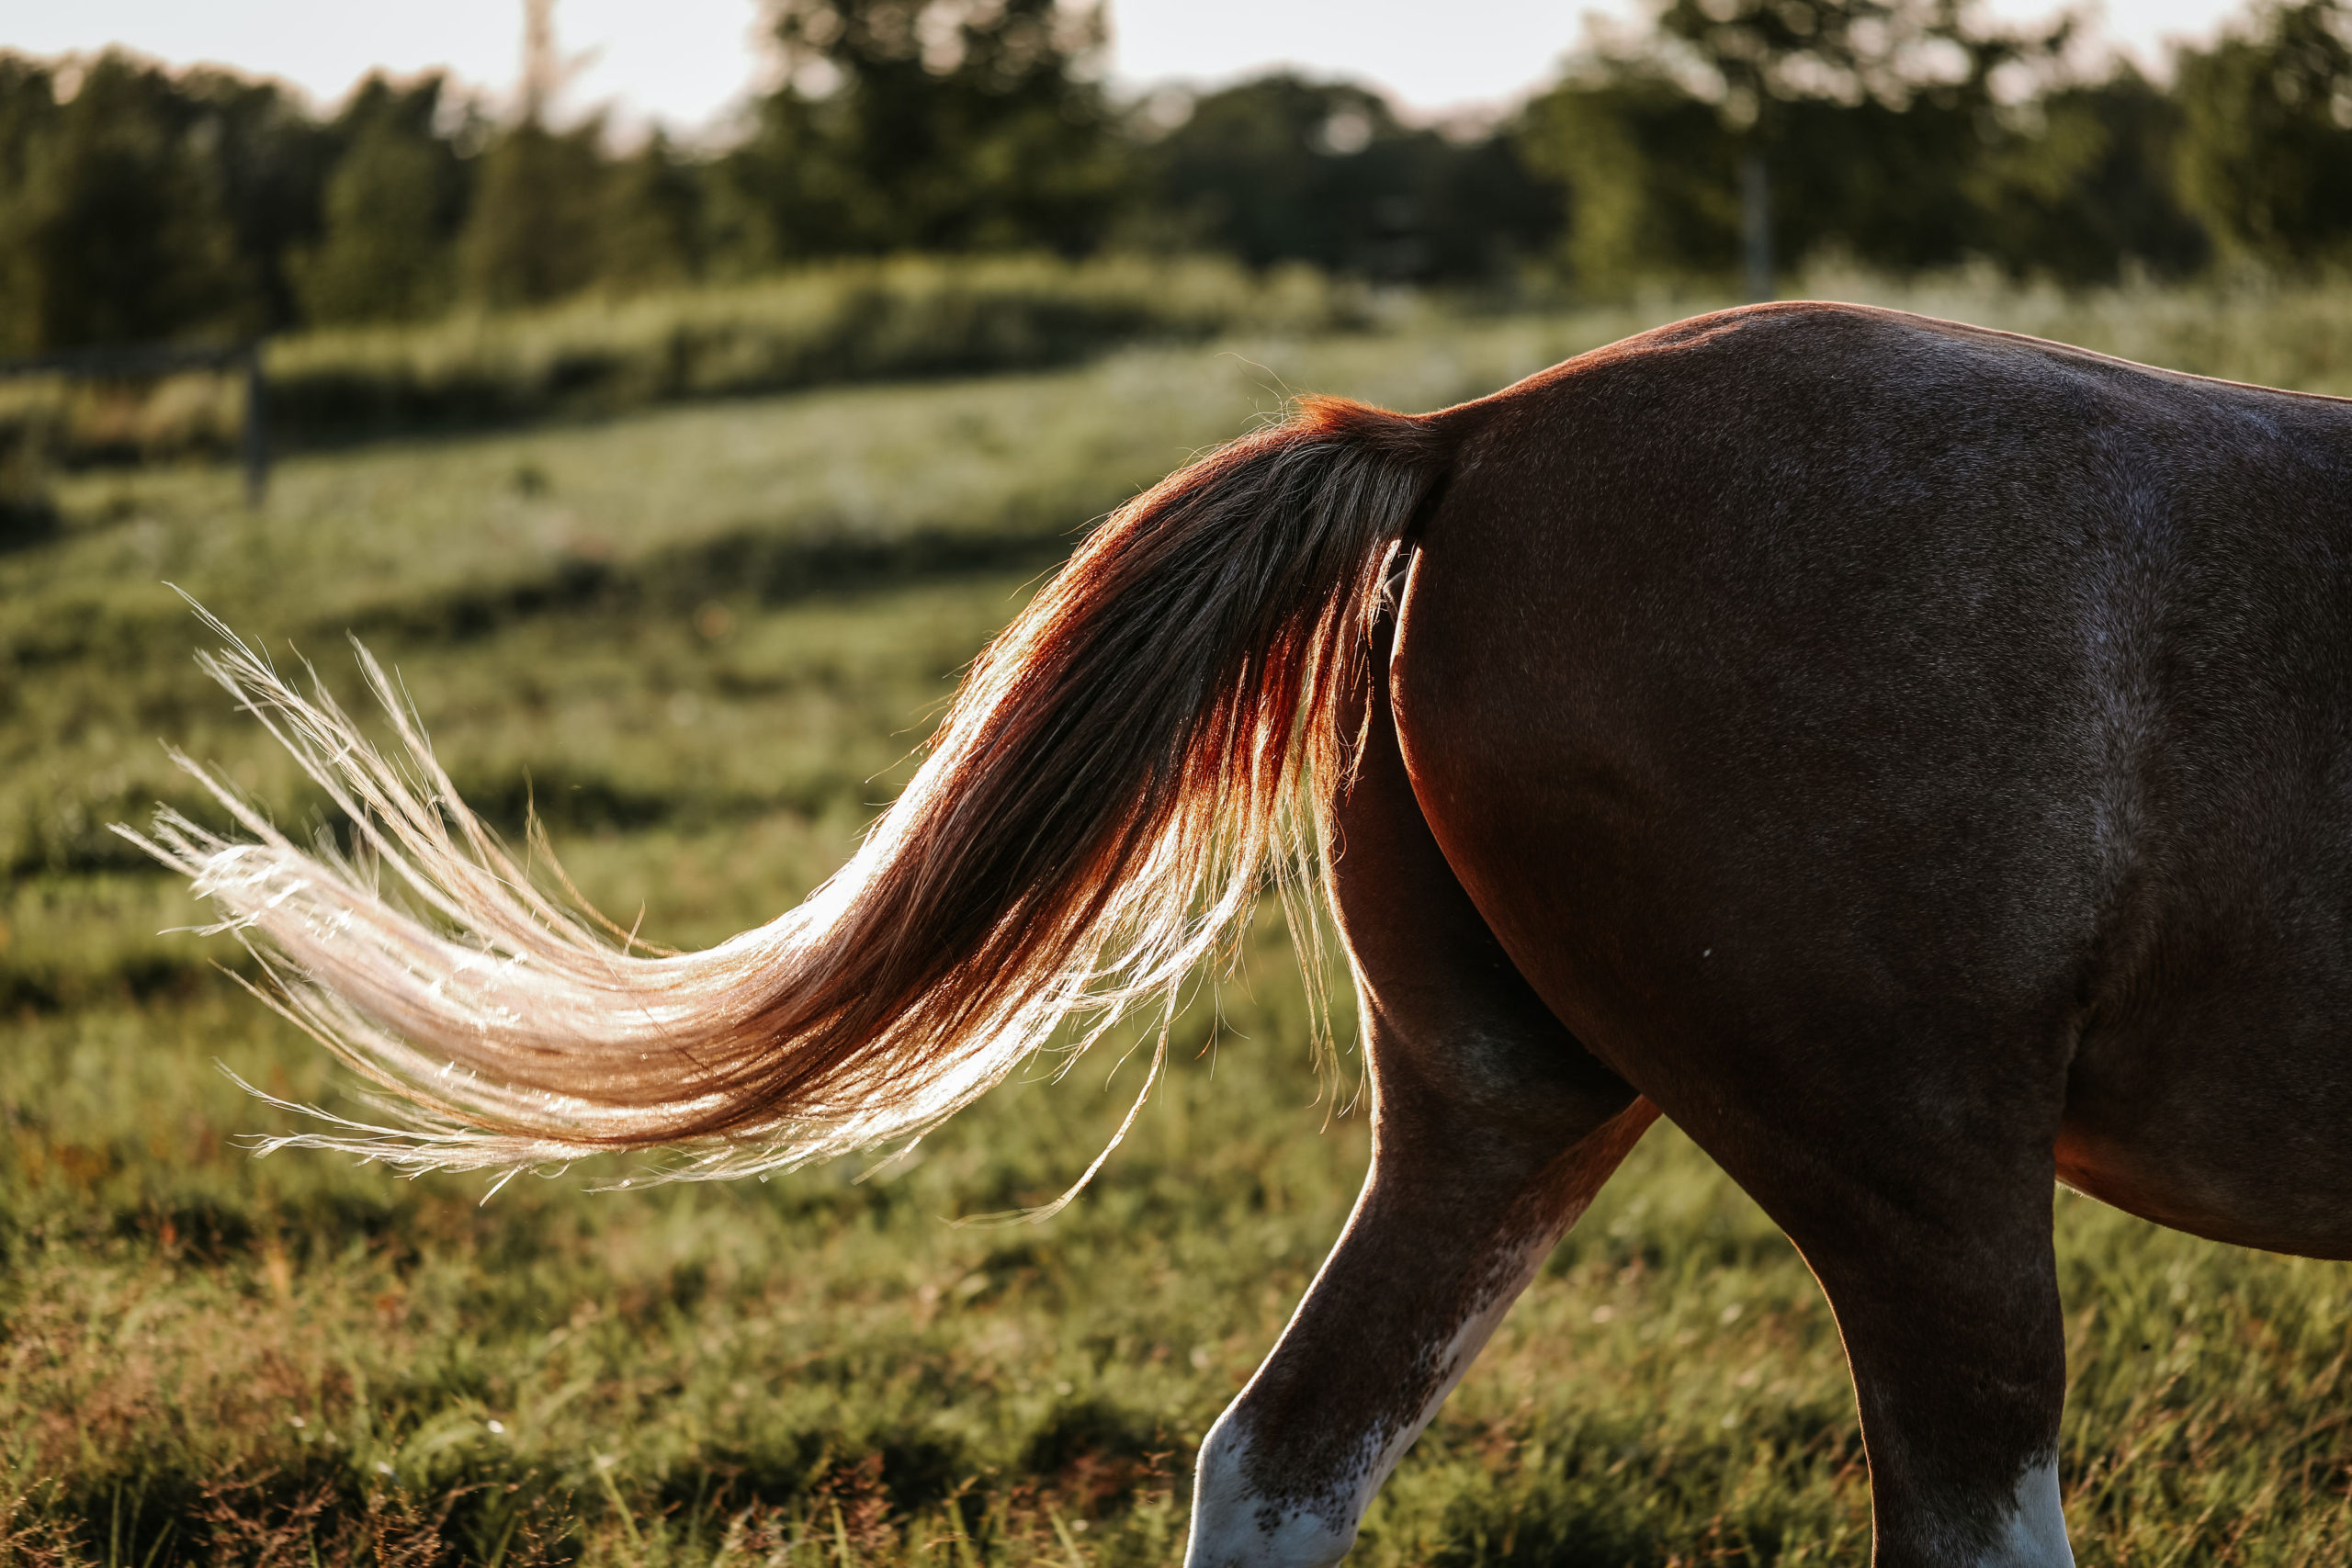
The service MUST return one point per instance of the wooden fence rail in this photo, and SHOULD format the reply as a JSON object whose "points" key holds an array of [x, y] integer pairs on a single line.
{"points": [[131, 362]]}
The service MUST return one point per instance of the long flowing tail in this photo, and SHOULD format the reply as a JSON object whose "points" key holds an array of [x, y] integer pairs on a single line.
{"points": [[1100, 805]]}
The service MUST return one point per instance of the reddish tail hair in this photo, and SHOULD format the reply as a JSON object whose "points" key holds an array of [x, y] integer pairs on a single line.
{"points": [[1099, 808]]}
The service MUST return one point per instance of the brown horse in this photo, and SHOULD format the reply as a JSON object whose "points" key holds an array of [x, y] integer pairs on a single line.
{"points": [[1915, 759]]}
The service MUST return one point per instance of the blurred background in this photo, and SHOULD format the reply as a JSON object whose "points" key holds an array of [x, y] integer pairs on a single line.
{"points": [[152, 199], [677, 396], [673, 165]]}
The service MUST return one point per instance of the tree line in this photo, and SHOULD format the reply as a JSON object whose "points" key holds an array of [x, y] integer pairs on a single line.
{"points": [[138, 203]]}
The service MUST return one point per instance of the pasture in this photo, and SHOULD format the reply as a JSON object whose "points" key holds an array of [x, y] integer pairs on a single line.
{"points": [[702, 643]]}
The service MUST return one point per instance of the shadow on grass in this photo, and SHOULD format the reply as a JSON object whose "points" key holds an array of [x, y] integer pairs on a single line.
{"points": [[770, 567]]}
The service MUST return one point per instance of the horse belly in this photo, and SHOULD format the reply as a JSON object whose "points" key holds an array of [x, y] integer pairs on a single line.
{"points": [[2211, 1087]]}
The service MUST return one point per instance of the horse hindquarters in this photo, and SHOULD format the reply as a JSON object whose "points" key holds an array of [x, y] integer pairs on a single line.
{"points": [[1492, 1128], [1746, 700]]}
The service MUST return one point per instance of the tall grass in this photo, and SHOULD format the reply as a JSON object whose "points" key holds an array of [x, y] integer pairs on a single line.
{"points": [[844, 321], [2244, 328], [703, 641], [841, 323]]}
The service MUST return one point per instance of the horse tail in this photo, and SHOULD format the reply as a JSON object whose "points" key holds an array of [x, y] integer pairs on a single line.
{"points": [[1157, 730]]}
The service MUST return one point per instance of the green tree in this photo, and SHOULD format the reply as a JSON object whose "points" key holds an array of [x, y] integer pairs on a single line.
{"points": [[112, 229], [1906, 133], [2087, 184], [392, 209], [28, 120], [1873, 116], [1282, 168], [926, 125], [2266, 146], [179, 195], [1650, 174], [653, 218], [535, 230], [272, 159]]}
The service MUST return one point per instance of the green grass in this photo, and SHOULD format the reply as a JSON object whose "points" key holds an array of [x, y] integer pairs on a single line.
{"points": [[709, 639]]}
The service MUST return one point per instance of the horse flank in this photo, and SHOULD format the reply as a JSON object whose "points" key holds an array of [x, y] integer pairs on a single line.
{"points": [[1123, 766]]}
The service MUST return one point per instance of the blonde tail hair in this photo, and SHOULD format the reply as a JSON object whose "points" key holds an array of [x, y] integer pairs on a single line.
{"points": [[1102, 803]]}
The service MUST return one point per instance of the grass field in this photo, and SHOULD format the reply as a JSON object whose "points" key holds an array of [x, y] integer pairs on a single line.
{"points": [[704, 642]]}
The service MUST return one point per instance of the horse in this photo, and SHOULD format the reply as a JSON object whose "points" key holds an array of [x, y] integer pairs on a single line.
{"points": [[1914, 758]]}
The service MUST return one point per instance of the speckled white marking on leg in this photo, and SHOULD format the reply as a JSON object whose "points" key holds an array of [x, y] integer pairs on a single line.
{"points": [[2035, 1535], [1235, 1525]]}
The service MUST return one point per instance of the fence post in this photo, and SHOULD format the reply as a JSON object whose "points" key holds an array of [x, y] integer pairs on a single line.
{"points": [[257, 431]]}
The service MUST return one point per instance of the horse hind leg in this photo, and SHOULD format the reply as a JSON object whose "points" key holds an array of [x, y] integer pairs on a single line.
{"points": [[1492, 1128], [1946, 1293], [1921, 1200]]}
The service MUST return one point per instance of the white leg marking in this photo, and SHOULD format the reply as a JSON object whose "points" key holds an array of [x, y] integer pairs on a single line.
{"points": [[2035, 1536]]}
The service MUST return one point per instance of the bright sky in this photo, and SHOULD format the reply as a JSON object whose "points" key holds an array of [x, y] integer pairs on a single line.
{"points": [[684, 62]]}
